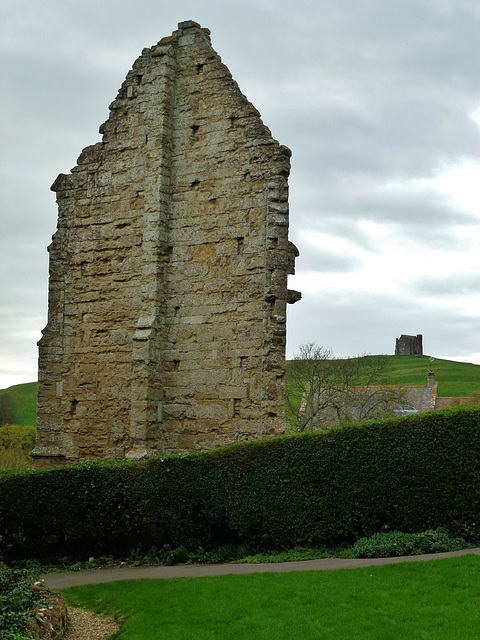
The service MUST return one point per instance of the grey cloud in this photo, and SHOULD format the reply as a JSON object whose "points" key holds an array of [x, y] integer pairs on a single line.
{"points": [[452, 286], [422, 214], [321, 260], [400, 140], [397, 206], [413, 85], [349, 229], [24, 288], [64, 94]]}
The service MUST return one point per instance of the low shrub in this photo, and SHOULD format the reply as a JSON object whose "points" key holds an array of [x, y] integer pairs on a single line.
{"points": [[397, 543], [16, 442], [418, 472], [297, 554], [17, 601], [176, 556]]}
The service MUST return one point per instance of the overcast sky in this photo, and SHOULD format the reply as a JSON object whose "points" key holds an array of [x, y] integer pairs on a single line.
{"points": [[379, 101]]}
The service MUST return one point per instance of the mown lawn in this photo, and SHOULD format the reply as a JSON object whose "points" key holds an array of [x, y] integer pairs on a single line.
{"points": [[454, 378], [433, 600]]}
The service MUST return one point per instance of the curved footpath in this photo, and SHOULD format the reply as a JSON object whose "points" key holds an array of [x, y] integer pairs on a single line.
{"points": [[108, 574]]}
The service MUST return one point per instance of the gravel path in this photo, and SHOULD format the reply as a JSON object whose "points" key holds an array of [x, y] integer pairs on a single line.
{"points": [[85, 625]]}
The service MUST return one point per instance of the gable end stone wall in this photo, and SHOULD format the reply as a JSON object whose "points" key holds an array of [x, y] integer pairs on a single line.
{"points": [[168, 271]]}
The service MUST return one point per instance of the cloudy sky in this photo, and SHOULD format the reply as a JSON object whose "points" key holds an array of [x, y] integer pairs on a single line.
{"points": [[379, 102]]}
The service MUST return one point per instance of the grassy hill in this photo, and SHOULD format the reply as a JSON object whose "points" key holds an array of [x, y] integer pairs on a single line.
{"points": [[25, 398], [454, 379]]}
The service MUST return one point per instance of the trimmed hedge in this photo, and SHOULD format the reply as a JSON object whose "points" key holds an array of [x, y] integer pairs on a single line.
{"points": [[414, 473]]}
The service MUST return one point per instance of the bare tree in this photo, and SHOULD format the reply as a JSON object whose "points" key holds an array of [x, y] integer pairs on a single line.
{"points": [[324, 391], [308, 377]]}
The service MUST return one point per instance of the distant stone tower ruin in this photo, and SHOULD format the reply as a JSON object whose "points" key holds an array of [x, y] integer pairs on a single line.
{"points": [[168, 272], [409, 345]]}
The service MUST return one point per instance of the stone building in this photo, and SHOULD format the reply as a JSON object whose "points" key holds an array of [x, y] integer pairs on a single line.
{"points": [[168, 271], [409, 345]]}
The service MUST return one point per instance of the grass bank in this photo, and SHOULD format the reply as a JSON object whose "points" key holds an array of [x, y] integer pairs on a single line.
{"points": [[418, 601], [454, 378], [24, 397]]}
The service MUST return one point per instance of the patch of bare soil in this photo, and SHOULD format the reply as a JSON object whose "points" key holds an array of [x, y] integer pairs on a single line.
{"points": [[85, 625]]}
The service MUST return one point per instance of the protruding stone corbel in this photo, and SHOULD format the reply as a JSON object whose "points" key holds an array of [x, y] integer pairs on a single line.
{"points": [[293, 296]]}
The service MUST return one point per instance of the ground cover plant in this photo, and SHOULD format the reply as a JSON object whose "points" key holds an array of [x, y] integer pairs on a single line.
{"points": [[393, 543], [415, 600], [378, 545], [17, 602], [397, 543]]}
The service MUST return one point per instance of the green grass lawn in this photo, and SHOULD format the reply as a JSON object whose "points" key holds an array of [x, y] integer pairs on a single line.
{"points": [[437, 600]]}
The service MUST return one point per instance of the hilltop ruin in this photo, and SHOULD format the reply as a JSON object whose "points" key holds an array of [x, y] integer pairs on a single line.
{"points": [[409, 345]]}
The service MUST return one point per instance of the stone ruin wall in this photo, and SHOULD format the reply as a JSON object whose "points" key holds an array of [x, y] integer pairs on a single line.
{"points": [[168, 271], [409, 345]]}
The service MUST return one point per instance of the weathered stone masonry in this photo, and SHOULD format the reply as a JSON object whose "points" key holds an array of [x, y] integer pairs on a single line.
{"points": [[168, 271]]}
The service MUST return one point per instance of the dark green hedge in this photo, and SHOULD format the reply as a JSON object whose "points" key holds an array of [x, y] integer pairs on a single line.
{"points": [[413, 473]]}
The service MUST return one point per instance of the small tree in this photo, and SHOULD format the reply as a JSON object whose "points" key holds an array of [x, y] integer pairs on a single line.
{"points": [[323, 391], [308, 381], [7, 409]]}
